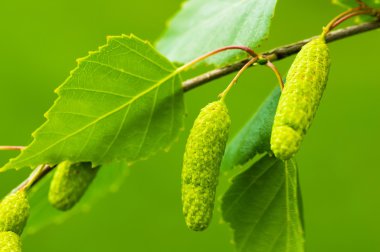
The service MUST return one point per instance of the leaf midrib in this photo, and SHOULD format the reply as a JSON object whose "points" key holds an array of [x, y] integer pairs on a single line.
{"points": [[129, 102], [243, 192]]}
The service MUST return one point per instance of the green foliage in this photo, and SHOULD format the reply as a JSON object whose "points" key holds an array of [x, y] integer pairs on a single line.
{"points": [[254, 137], [107, 180], [202, 26], [263, 207], [69, 183], [203, 155], [122, 102], [14, 212], [10, 242], [299, 101]]}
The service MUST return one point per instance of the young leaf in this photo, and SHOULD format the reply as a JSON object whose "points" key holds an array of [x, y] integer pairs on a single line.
{"points": [[122, 102], [108, 179], [254, 137], [202, 26], [262, 207]]}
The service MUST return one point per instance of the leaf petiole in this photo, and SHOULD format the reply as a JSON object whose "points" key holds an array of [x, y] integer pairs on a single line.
{"points": [[4, 147], [40, 172], [277, 73], [209, 54], [234, 80], [362, 9], [371, 12]]}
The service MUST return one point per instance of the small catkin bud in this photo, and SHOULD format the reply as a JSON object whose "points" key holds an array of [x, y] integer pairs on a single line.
{"points": [[299, 101], [10, 242], [69, 183], [14, 212], [204, 152]]}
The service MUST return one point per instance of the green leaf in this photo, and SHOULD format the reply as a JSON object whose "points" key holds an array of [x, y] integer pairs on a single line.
{"points": [[108, 179], [202, 26], [254, 137], [262, 207], [122, 102]]}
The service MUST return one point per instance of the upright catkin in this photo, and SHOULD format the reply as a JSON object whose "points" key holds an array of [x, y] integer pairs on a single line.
{"points": [[10, 242], [203, 155], [299, 101], [69, 183], [14, 212]]}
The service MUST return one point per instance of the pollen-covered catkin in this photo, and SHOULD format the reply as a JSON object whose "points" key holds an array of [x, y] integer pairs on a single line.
{"points": [[204, 152], [10, 242], [299, 101], [14, 212], [69, 183]]}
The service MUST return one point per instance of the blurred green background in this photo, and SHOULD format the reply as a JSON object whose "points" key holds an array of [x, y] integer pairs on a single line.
{"points": [[40, 41]]}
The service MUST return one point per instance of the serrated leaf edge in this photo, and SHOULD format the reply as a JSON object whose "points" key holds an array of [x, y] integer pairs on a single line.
{"points": [[172, 74]]}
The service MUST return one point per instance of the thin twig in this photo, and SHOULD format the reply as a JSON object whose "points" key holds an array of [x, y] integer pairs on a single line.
{"points": [[278, 53], [6, 147], [273, 55], [277, 73], [37, 174], [235, 79]]}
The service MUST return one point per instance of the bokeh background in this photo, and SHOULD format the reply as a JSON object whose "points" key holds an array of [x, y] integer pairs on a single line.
{"points": [[339, 160]]}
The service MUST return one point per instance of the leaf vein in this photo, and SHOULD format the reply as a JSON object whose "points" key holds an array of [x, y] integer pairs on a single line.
{"points": [[118, 132], [247, 188], [245, 240], [96, 91], [144, 57], [119, 70], [148, 123], [163, 80]]}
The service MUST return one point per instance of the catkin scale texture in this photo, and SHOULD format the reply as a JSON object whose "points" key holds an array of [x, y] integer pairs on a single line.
{"points": [[299, 101], [203, 155], [10, 242], [69, 183], [14, 212]]}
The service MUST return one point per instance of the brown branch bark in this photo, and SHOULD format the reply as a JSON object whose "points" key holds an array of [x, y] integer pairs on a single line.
{"points": [[278, 53]]}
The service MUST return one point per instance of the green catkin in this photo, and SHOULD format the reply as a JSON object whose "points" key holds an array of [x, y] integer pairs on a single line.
{"points": [[204, 152], [14, 212], [10, 242], [69, 183], [305, 83]]}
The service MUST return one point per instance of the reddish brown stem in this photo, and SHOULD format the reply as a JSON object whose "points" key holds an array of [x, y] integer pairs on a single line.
{"points": [[277, 73], [348, 16], [209, 54], [237, 76], [12, 147]]}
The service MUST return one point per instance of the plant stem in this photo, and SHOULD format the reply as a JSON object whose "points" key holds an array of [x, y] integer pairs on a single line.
{"points": [[278, 54], [360, 10], [272, 55], [195, 61], [37, 174], [12, 147], [328, 28], [277, 73], [364, 12], [234, 80]]}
